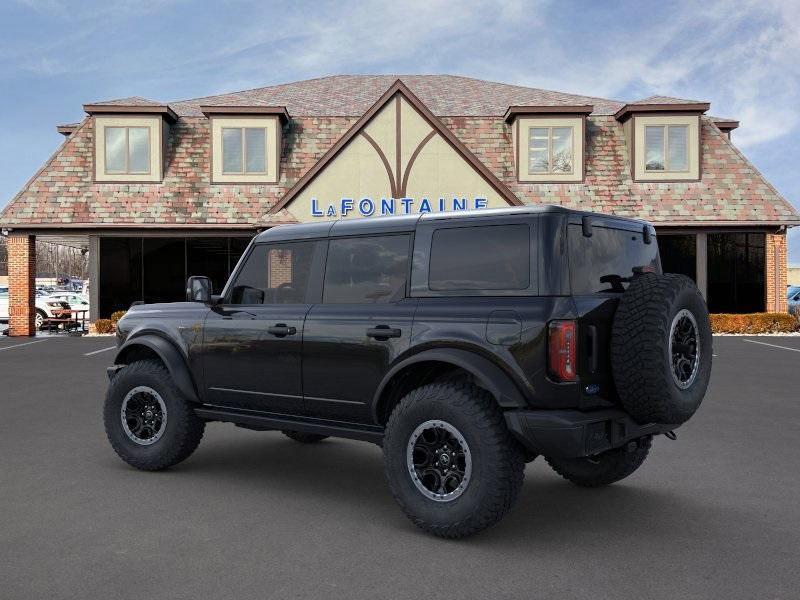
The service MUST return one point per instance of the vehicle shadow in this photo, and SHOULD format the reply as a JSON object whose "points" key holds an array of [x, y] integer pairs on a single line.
{"points": [[346, 478]]}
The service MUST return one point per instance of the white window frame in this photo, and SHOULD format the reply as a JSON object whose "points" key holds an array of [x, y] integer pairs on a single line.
{"points": [[636, 126], [521, 136], [550, 170], [157, 130], [243, 129], [665, 148], [127, 170], [272, 133]]}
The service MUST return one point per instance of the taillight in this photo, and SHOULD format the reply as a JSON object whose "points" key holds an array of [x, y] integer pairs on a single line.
{"points": [[562, 350]]}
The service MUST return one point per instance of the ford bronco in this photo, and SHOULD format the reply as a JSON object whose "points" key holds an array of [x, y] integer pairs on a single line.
{"points": [[463, 344]]}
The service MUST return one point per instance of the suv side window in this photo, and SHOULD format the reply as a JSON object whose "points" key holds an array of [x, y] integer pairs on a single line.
{"points": [[495, 257], [274, 274], [366, 270]]}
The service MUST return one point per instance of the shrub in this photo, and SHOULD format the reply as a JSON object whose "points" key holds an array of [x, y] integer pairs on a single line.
{"points": [[755, 323], [116, 316], [104, 326]]}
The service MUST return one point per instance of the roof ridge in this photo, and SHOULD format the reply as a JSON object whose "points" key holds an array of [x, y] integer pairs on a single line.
{"points": [[260, 88], [395, 76]]}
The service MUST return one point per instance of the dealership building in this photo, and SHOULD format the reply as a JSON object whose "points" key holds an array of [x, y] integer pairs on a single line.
{"points": [[159, 191]]}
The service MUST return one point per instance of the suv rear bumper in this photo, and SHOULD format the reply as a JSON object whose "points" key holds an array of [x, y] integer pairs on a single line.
{"points": [[574, 433]]}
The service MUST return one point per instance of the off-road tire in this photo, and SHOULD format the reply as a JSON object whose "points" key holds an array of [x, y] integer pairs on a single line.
{"points": [[304, 438], [605, 468], [497, 459], [640, 358], [183, 430]]}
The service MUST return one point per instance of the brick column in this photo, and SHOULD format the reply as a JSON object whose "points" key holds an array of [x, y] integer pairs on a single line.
{"points": [[21, 284], [775, 273]]}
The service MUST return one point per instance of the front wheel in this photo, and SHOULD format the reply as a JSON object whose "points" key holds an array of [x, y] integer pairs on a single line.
{"points": [[604, 468], [149, 423], [451, 464]]}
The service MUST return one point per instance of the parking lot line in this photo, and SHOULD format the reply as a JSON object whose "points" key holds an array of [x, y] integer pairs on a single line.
{"points": [[101, 350], [20, 345], [772, 345]]}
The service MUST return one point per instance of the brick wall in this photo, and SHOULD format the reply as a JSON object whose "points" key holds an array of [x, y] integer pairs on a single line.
{"points": [[776, 271], [279, 268], [22, 284]]}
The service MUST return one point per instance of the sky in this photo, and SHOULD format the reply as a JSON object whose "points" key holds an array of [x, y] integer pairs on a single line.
{"points": [[741, 56]]}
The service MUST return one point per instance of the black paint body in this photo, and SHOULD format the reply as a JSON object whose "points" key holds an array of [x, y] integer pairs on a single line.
{"points": [[325, 373]]}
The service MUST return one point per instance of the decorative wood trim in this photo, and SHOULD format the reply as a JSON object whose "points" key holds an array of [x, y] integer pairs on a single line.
{"points": [[131, 109], [279, 111], [399, 87], [515, 111], [384, 160], [412, 158], [630, 109]]}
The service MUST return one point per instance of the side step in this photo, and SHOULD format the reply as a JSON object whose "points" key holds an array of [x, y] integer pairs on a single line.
{"points": [[264, 421]]}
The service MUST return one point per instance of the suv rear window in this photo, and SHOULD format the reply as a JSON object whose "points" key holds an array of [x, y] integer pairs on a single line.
{"points": [[496, 257], [601, 262]]}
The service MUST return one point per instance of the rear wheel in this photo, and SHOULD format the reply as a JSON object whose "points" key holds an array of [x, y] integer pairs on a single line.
{"points": [[149, 423], [451, 464], [39, 318], [604, 468], [304, 438]]}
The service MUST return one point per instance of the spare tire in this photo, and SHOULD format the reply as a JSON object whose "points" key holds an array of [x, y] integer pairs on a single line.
{"points": [[661, 348]]}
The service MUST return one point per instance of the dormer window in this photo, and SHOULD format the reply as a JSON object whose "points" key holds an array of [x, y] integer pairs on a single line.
{"points": [[663, 138], [666, 148], [548, 142], [128, 148], [129, 140], [245, 143]]}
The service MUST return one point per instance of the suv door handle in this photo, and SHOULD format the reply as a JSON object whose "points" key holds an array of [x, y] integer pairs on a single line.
{"points": [[282, 330], [383, 332]]}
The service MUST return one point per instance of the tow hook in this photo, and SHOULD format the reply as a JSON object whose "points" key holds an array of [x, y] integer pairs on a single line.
{"points": [[670, 435]]}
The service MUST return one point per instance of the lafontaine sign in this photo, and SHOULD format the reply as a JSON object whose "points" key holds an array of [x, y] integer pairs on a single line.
{"points": [[368, 207]]}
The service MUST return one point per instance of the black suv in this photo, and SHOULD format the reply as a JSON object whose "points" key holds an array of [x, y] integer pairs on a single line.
{"points": [[464, 344]]}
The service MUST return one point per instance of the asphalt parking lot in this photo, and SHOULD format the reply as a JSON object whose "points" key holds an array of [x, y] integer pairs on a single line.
{"points": [[713, 515]]}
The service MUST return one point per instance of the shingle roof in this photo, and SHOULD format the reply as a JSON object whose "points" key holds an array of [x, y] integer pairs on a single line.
{"points": [[352, 95], [63, 193], [130, 101], [665, 100]]}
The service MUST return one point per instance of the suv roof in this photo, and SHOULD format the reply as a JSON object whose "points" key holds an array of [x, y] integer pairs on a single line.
{"points": [[405, 223]]}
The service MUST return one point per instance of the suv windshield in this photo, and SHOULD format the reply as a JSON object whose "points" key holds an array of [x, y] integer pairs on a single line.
{"points": [[606, 261]]}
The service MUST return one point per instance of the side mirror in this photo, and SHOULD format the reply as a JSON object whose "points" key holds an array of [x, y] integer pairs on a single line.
{"points": [[198, 289]]}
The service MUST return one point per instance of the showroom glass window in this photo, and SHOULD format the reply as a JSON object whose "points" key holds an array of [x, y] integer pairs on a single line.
{"points": [[550, 150], [666, 148], [368, 270], [503, 262], [244, 150], [127, 150], [274, 274]]}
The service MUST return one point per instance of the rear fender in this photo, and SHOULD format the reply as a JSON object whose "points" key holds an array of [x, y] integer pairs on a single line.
{"points": [[488, 375]]}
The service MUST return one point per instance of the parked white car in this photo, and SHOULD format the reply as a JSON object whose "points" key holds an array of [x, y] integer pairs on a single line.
{"points": [[3, 304], [47, 307], [74, 299]]}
